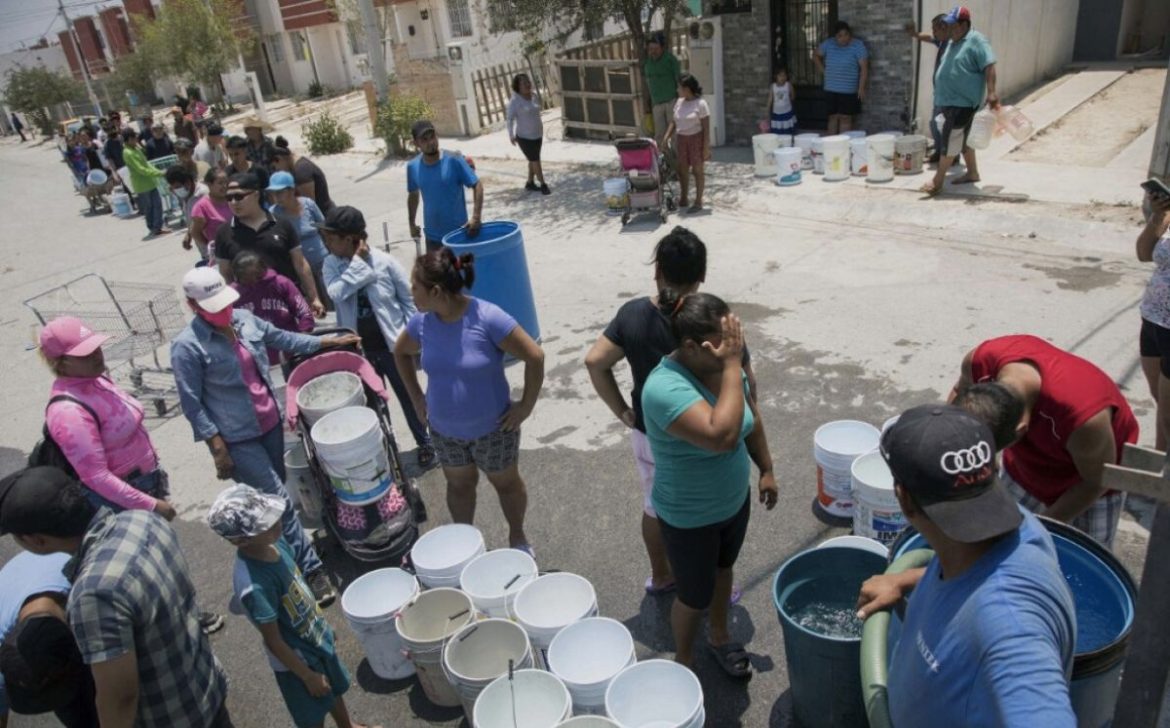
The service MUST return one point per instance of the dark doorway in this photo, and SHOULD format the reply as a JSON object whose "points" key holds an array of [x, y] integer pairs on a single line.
{"points": [[1098, 23], [798, 26]]}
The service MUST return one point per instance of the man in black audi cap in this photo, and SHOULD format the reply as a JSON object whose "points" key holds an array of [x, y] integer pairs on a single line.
{"points": [[989, 632]]}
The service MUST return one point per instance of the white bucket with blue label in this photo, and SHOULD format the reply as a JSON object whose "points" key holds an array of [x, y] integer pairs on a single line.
{"points": [[788, 165], [352, 451], [876, 512]]}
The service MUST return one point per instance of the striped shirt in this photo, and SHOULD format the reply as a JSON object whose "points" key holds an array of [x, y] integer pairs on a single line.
{"points": [[842, 65], [132, 592]]}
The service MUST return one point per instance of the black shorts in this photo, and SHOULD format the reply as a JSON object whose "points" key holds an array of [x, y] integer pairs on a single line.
{"points": [[1155, 342], [695, 554], [530, 147], [956, 126], [845, 104]]}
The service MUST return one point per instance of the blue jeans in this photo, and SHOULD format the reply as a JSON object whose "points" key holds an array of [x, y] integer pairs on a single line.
{"points": [[383, 362], [154, 484], [150, 203], [259, 462], [936, 130]]}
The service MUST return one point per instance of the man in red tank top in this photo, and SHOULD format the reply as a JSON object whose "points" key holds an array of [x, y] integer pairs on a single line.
{"points": [[1060, 419]]}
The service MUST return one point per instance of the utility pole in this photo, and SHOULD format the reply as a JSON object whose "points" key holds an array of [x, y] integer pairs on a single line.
{"points": [[93, 97], [1160, 159], [374, 49]]}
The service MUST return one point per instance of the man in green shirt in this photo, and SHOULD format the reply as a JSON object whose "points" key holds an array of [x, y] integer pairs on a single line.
{"points": [[662, 71], [143, 182]]}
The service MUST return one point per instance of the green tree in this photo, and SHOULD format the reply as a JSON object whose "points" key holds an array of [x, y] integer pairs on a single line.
{"points": [[33, 90], [196, 39], [134, 74]]}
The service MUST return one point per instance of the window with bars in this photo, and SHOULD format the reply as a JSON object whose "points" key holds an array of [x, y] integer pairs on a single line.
{"points": [[275, 49], [300, 47], [594, 29], [357, 37], [459, 16], [502, 14]]}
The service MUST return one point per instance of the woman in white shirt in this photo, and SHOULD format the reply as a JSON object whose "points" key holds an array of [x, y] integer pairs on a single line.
{"points": [[690, 131], [526, 129]]}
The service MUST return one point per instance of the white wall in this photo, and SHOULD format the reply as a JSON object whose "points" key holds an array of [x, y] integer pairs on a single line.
{"points": [[327, 53], [1033, 41], [52, 58]]}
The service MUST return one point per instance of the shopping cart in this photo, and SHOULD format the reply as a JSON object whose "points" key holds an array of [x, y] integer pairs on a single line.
{"points": [[139, 318], [172, 208]]}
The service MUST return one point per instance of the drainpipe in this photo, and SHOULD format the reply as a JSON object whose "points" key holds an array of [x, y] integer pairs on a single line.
{"points": [[912, 122]]}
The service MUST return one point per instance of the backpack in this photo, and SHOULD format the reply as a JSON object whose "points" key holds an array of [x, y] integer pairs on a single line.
{"points": [[47, 452]]}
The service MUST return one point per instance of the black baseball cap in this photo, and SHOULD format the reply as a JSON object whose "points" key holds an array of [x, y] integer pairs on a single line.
{"points": [[945, 459], [421, 127], [345, 220], [214, 129], [24, 493], [247, 181]]}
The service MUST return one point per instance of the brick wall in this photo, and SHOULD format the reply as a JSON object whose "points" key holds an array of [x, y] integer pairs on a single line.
{"points": [[746, 69], [428, 79], [891, 60]]}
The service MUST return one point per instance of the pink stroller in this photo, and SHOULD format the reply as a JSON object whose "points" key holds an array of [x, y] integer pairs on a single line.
{"points": [[647, 178]]}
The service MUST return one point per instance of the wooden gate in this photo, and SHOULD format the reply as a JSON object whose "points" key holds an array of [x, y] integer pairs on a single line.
{"points": [[493, 88], [798, 27]]}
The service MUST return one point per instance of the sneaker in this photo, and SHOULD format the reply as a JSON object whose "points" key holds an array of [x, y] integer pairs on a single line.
{"points": [[544, 190], [426, 456], [322, 589], [210, 622], [531, 186]]}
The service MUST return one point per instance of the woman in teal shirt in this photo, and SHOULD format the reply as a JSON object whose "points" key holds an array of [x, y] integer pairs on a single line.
{"points": [[703, 427]]}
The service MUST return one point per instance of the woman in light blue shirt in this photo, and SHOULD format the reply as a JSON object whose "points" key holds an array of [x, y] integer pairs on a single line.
{"points": [[304, 213]]}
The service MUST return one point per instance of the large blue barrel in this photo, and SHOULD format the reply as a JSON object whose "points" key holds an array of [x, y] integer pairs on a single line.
{"points": [[501, 269], [823, 671], [1105, 596]]}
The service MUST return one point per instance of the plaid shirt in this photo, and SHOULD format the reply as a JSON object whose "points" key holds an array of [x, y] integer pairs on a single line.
{"points": [[132, 591]]}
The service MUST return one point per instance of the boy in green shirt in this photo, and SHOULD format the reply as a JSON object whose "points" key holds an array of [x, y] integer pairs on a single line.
{"points": [[143, 182]]}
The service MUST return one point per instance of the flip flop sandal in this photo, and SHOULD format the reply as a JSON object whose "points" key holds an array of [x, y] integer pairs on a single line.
{"points": [[656, 591], [733, 659], [929, 190]]}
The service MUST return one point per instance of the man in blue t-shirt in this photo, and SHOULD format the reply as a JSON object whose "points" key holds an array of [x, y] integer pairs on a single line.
{"points": [[440, 178], [990, 627], [844, 62]]}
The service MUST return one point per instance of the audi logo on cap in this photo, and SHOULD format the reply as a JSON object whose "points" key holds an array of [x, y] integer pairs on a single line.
{"points": [[954, 462]]}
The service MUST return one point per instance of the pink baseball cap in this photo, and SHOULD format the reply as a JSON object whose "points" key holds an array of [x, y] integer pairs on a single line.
{"points": [[68, 336]]}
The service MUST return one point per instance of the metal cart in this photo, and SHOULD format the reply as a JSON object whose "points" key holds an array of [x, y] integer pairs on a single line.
{"points": [[139, 318]]}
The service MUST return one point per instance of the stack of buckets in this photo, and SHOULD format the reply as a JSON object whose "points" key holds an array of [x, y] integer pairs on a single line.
{"points": [[481, 645], [347, 437], [764, 148], [879, 158]]}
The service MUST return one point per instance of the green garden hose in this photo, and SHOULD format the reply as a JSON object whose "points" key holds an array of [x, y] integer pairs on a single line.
{"points": [[875, 671]]}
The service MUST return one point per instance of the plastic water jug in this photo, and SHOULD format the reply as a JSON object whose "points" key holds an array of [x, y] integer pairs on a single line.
{"points": [[1014, 122], [982, 129]]}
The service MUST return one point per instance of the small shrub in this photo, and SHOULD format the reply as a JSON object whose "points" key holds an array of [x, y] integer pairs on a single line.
{"points": [[326, 135], [395, 117], [316, 90]]}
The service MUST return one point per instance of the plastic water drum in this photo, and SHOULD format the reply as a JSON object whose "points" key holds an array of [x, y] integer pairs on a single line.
{"points": [[493, 580], [788, 165], [804, 142], [910, 153], [876, 513], [587, 655], [329, 393], [549, 603], [858, 157], [525, 699], [857, 542], [371, 604], [818, 155], [656, 693], [617, 195], [501, 269], [836, 157], [425, 624], [120, 205], [482, 652], [352, 451], [298, 481], [762, 147], [835, 446], [441, 553], [880, 157]]}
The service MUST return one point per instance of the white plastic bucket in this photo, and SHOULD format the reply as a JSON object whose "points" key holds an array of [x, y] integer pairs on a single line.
{"points": [[617, 195], [818, 155], [120, 204], [982, 129], [298, 481], [371, 604], [493, 580], [96, 177], [589, 721], [880, 158], [788, 165], [804, 142], [762, 147], [479, 654], [835, 446], [892, 133], [441, 553], [352, 451], [890, 422], [656, 693], [526, 699], [858, 156], [858, 542], [910, 153], [876, 513], [424, 625], [854, 134], [329, 393], [587, 655], [549, 603], [836, 157]]}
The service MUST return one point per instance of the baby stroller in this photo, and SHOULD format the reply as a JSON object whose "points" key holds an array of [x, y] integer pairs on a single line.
{"points": [[386, 529], [647, 179]]}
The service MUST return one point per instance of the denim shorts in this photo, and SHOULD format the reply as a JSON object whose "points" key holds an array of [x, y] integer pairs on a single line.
{"points": [[498, 450]]}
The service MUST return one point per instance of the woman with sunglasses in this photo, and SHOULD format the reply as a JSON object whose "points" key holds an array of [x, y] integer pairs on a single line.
{"points": [[275, 239]]}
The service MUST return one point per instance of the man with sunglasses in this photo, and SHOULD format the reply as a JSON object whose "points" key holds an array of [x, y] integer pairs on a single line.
{"points": [[275, 240], [439, 180]]}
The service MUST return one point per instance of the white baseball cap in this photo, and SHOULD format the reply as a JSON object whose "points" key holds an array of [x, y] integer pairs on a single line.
{"points": [[207, 288]]}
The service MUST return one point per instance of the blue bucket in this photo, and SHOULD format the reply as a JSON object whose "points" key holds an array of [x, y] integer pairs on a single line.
{"points": [[823, 670], [501, 269], [1105, 596]]}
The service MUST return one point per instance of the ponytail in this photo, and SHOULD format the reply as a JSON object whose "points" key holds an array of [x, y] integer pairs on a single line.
{"points": [[443, 268], [692, 316]]}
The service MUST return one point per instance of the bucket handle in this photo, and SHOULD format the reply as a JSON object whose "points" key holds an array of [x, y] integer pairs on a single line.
{"points": [[512, 581]]}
